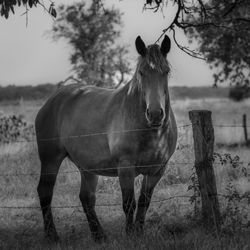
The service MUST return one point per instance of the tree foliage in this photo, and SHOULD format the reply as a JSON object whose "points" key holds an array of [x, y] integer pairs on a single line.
{"points": [[92, 34], [8, 6], [222, 29], [224, 39], [16, 93]]}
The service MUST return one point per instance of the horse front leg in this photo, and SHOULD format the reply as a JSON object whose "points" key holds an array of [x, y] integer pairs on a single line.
{"points": [[147, 188], [126, 178], [87, 196]]}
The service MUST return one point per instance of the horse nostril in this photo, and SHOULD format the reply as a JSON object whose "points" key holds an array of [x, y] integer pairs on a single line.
{"points": [[161, 113], [155, 116]]}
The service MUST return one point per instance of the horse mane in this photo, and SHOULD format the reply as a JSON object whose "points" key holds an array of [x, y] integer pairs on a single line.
{"points": [[152, 60]]}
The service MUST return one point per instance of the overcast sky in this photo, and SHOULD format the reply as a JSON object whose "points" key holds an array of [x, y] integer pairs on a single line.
{"points": [[29, 56]]}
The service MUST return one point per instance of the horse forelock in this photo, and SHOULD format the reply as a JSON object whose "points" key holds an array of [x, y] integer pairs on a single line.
{"points": [[153, 60]]}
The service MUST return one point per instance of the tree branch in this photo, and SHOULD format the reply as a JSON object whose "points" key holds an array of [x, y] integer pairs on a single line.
{"points": [[185, 49], [203, 9], [174, 22], [233, 6]]}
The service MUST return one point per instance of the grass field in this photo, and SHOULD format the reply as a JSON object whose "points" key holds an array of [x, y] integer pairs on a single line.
{"points": [[170, 224]]}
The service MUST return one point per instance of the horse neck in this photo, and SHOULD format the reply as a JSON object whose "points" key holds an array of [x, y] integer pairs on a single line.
{"points": [[132, 103]]}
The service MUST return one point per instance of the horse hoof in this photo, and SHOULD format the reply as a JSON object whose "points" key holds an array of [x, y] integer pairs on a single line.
{"points": [[100, 237], [52, 237], [139, 229], [130, 229]]}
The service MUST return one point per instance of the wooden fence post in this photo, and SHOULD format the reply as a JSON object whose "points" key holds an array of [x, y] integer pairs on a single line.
{"points": [[203, 133], [244, 120]]}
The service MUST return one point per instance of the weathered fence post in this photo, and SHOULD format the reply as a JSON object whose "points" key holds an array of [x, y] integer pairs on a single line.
{"points": [[203, 133], [244, 120]]}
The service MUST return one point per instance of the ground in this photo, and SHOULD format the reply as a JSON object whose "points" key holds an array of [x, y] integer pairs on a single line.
{"points": [[171, 224]]}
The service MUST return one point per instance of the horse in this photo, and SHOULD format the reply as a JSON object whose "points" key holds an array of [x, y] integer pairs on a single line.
{"points": [[121, 132]]}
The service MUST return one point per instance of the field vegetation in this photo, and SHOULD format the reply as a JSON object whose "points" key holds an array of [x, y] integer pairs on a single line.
{"points": [[173, 221], [13, 93]]}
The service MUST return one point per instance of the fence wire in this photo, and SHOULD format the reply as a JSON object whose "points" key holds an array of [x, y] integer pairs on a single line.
{"points": [[97, 205], [230, 126], [91, 135], [94, 170], [114, 168], [111, 204], [34, 139]]}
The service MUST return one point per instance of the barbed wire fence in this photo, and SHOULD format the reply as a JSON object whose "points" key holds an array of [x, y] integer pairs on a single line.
{"points": [[72, 137], [4, 175]]}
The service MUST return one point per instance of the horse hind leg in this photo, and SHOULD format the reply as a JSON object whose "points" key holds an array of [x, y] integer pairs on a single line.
{"points": [[87, 196], [49, 170]]}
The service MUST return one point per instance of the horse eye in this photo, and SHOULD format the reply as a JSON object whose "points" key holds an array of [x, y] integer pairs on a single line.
{"points": [[141, 73], [165, 73]]}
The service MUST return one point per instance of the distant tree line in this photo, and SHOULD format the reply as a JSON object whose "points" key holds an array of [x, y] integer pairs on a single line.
{"points": [[44, 91], [14, 93]]}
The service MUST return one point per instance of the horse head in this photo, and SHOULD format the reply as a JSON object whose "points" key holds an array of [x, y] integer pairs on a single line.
{"points": [[151, 77]]}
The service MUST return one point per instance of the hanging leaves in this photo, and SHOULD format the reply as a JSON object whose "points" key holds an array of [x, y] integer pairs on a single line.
{"points": [[8, 6], [52, 10]]}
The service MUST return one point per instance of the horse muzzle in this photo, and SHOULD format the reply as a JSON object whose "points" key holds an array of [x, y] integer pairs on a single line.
{"points": [[155, 117]]}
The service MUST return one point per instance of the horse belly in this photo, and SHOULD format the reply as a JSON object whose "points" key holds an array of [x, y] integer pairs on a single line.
{"points": [[93, 155]]}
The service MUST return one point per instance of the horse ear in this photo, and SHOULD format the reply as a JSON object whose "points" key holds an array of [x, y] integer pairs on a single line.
{"points": [[140, 46], [165, 45]]}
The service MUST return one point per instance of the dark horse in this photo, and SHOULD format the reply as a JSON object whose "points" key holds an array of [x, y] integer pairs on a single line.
{"points": [[122, 132]]}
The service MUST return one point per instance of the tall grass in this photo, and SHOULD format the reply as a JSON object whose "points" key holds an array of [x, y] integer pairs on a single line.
{"points": [[170, 224]]}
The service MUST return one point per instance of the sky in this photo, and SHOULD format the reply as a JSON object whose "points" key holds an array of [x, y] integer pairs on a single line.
{"points": [[28, 55]]}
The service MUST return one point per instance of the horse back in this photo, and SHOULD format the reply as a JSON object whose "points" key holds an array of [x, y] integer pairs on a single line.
{"points": [[73, 120], [64, 103]]}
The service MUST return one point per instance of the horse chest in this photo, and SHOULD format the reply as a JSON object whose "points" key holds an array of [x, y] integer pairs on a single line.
{"points": [[153, 148]]}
